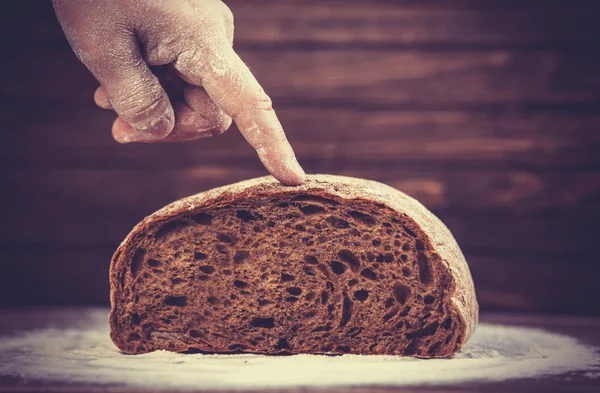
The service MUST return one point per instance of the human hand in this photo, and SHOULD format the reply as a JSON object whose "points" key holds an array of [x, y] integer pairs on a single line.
{"points": [[118, 41]]}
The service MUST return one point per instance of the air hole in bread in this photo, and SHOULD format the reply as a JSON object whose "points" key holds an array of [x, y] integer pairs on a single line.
{"points": [[347, 307], [282, 344], [368, 274], [428, 330], [361, 295], [337, 222], [153, 262], [311, 209], [236, 348], [240, 284], [447, 324], [343, 348], [428, 299], [311, 259], [135, 319], [405, 311], [323, 269], [202, 218], [265, 323], [310, 271], [390, 314], [412, 348], [363, 218], [351, 259], [137, 260], [245, 215], [338, 267], [314, 198], [434, 347], [170, 227], [425, 274], [401, 292], [240, 256], [224, 238], [200, 256], [207, 269], [286, 277], [133, 337], [296, 291], [409, 231], [176, 301]]}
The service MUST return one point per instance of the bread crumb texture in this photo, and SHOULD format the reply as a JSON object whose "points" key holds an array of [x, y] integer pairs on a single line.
{"points": [[336, 265]]}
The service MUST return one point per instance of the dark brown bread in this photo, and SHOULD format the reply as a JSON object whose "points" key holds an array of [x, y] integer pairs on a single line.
{"points": [[337, 265]]}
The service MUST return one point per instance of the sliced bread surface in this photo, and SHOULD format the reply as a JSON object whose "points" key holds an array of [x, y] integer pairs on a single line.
{"points": [[336, 265]]}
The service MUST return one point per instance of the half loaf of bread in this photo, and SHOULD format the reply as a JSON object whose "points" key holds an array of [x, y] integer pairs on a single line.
{"points": [[336, 265]]}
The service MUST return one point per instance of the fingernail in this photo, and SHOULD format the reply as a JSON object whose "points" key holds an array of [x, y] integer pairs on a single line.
{"points": [[158, 128], [301, 176]]}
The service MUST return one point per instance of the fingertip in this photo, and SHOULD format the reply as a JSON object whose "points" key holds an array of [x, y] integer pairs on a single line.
{"points": [[101, 98], [122, 132], [282, 165], [159, 127], [295, 176]]}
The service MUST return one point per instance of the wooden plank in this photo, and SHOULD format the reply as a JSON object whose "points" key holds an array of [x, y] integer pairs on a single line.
{"points": [[484, 210], [413, 23], [544, 284], [367, 22], [363, 78], [516, 283], [38, 134], [519, 192]]}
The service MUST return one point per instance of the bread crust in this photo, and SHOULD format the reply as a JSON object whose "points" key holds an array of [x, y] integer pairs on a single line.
{"points": [[463, 296]]}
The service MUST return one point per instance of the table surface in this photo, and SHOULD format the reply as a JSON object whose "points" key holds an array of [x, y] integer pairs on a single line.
{"points": [[585, 329]]}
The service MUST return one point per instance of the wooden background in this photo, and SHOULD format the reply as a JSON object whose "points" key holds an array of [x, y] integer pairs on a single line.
{"points": [[487, 111]]}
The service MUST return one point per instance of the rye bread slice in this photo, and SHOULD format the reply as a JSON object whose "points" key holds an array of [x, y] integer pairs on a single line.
{"points": [[336, 265]]}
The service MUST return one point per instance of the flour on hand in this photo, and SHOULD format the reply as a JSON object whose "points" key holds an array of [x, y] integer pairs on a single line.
{"points": [[85, 354]]}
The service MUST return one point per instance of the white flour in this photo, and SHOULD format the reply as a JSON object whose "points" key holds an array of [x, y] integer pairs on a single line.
{"points": [[86, 355]]}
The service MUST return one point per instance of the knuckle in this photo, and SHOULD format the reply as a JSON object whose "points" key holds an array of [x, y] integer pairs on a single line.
{"points": [[140, 106], [262, 103]]}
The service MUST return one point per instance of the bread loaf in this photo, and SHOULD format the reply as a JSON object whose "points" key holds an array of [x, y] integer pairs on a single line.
{"points": [[336, 265]]}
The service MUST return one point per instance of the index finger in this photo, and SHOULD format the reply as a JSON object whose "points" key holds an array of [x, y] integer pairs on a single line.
{"points": [[229, 82]]}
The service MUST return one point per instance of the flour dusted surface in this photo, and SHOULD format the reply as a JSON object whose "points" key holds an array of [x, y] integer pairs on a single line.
{"points": [[85, 354]]}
